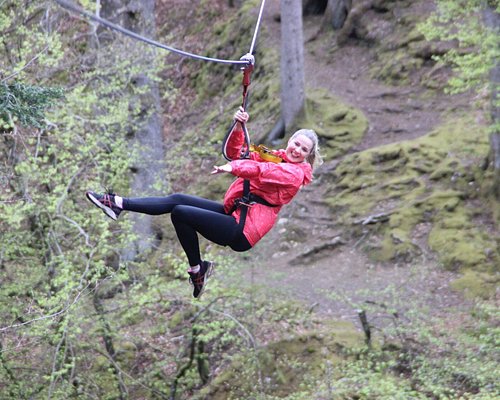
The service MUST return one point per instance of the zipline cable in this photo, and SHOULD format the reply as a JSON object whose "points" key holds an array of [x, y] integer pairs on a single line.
{"points": [[70, 6], [257, 26], [246, 62]]}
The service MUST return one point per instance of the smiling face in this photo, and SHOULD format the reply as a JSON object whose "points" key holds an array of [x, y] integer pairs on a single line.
{"points": [[299, 147]]}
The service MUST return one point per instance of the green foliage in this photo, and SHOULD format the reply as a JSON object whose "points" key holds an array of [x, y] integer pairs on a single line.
{"points": [[30, 45], [58, 256], [25, 50], [477, 51], [416, 353], [26, 104]]}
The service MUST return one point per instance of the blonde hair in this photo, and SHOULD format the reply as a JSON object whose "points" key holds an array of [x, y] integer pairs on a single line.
{"points": [[314, 157]]}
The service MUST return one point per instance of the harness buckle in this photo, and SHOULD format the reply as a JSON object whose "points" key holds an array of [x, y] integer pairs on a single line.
{"points": [[244, 201]]}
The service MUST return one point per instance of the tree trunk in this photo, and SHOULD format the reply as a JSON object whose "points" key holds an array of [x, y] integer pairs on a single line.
{"points": [[336, 13], [492, 20], [356, 11], [292, 61], [147, 135]]}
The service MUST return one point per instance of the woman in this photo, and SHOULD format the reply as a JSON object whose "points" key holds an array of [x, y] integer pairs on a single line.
{"points": [[246, 214]]}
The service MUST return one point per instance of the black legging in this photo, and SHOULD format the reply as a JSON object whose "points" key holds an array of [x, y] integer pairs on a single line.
{"points": [[191, 214]]}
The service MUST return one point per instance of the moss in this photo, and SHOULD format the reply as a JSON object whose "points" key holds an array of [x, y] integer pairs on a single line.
{"points": [[446, 170], [459, 247], [476, 284], [397, 59], [338, 125], [414, 182], [396, 67], [126, 352], [176, 319]]}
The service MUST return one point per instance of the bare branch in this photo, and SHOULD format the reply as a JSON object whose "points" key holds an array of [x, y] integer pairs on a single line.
{"points": [[373, 219], [25, 65], [56, 314]]}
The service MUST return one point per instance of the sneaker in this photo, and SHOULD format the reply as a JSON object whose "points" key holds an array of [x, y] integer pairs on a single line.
{"points": [[199, 279], [106, 202]]}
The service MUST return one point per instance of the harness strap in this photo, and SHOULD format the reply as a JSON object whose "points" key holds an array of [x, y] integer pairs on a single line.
{"points": [[246, 201], [242, 202], [247, 72]]}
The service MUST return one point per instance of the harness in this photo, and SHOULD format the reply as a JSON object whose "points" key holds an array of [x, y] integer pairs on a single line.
{"points": [[246, 201]]}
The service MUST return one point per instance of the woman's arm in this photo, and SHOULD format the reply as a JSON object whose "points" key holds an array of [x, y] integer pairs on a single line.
{"points": [[283, 174]]}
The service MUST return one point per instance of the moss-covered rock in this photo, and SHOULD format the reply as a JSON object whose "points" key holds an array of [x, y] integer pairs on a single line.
{"points": [[427, 180], [476, 284], [338, 125], [403, 50]]}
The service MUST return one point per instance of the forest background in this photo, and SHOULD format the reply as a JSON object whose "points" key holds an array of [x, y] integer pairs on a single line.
{"points": [[378, 282]]}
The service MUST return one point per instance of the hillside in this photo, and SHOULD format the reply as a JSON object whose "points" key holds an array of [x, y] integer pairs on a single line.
{"points": [[394, 227], [378, 281], [316, 249]]}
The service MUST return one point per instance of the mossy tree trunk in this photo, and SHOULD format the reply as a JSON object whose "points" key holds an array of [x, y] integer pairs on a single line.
{"points": [[146, 130], [292, 61], [495, 135], [492, 20]]}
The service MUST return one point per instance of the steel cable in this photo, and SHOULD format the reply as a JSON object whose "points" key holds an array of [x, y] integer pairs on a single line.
{"points": [[72, 7]]}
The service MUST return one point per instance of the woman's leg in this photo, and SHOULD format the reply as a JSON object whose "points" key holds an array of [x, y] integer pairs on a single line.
{"points": [[164, 205], [221, 229], [192, 215]]}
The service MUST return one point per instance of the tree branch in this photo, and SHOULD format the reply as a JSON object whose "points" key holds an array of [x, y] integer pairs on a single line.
{"points": [[25, 65]]}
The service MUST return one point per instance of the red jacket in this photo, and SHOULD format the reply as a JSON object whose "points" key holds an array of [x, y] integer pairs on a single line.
{"points": [[275, 183]]}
